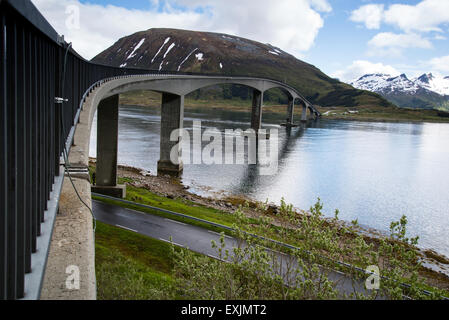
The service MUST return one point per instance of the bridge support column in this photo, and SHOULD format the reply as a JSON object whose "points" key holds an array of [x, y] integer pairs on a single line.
{"points": [[107, 146], [304, 112], [290, 108], [172, 116], [256, 110]]}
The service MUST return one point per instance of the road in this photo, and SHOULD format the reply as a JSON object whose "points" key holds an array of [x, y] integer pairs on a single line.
{"points": [[188, 236]]}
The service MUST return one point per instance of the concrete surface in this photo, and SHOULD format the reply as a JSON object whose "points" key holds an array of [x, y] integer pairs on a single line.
{"points": [[72, 245]]}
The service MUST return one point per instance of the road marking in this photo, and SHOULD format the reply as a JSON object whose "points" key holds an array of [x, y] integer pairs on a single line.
{"points": [[184, 224], [171, 242], [275, 251], [136, 211], [219, 234], [217, 258], [117, 225]]}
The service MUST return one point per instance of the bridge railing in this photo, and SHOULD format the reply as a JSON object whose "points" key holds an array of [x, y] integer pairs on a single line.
{"points": [[37, 67], [34, 128]]}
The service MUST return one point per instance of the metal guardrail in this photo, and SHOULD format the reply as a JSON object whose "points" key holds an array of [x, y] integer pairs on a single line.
{"points": [[278, 243], [32, 139], [43, 82]]}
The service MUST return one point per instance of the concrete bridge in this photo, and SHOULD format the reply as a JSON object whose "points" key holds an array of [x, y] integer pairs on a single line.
{"points": [[173, 88], [49, 95]]}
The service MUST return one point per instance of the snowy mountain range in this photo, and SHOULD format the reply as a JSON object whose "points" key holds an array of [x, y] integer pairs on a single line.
{"points": [[424, 92]]}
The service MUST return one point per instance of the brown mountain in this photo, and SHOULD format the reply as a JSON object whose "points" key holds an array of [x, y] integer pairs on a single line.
{"points": [[207, 52]]}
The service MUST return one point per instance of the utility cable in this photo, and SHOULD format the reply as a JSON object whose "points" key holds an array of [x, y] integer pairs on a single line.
{"points": [[65, 153]]}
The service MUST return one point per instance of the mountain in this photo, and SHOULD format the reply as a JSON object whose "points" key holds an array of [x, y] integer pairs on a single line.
{"points": [[424, 92], [216, 53], [432, 83]]}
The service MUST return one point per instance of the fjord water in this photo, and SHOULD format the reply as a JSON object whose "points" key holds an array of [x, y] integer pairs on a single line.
{"points": [[373, 172]]}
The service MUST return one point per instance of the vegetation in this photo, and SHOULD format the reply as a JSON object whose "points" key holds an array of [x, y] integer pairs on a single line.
{"points": [[274, 103], [144, 268], [386, 114], [130, 266], [183, 206]]}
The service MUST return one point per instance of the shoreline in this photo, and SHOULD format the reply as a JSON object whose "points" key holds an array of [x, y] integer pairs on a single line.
{"points": [[400, 115], [434, 264]]}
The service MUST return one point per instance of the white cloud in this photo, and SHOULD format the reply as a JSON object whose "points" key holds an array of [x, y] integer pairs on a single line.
{"points": [[427, 15], [291, 24], [371, 15], [440, 64], [440, 37], [404, 40], [359, 68], [387, 44], [321, 5]]}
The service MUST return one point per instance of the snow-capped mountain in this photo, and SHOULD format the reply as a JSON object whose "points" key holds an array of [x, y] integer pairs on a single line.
{"points": [[439, 85], [385, 83], [426, 91]]}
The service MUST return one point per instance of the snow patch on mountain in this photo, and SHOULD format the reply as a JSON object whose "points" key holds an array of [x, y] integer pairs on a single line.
{"points": [[385, 83], [169, 49], [439, 85], [132, 54], [165, 42], [185, 59], [199, 56]]}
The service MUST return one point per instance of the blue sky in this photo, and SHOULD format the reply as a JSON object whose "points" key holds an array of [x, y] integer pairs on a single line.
{"points": [[344, 38]]}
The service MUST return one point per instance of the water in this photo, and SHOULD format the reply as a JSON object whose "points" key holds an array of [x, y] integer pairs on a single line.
{"points": [[373, 172]]}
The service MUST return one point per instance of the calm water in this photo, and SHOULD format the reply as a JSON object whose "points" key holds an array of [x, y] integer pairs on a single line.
{"points": [[374, 172]]}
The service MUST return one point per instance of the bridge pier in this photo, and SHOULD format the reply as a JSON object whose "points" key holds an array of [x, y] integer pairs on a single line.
{"points": [[107, 147], [256, 110], [304, 112], [172, 117], [290, 108]]}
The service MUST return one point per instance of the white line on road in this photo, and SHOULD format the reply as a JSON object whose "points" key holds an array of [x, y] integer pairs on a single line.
{"points": [[217, 258], [278, 252], [219, 234], [184, 224], [168, 241], [117, 225]]}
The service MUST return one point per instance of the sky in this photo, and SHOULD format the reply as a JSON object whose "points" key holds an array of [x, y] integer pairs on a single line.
{"points": [[343, 38]]}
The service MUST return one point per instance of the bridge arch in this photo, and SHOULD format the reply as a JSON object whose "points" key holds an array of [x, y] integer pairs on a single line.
{"points": [[173, 88]]}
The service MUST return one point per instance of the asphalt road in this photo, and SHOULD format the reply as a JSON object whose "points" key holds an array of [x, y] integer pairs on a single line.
{"points": [[194, 238]]}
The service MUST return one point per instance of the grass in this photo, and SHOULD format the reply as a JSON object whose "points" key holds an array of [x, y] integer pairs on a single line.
{"points": [[130, 266], [367, 110], [144, 196], [146, 262]]}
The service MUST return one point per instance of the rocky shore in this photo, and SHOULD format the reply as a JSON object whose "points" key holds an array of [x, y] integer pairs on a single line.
{"points": [[435, 266]]}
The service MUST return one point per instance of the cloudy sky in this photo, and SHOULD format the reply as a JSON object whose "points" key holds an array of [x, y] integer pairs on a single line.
{"points": [[344, 38]]}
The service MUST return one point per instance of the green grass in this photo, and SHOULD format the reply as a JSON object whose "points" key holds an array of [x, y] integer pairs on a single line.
{"points": [[131, 266], [144, 196]]}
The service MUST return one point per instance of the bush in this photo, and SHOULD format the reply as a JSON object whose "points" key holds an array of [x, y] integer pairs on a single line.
{"points": [[251, 271]]}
